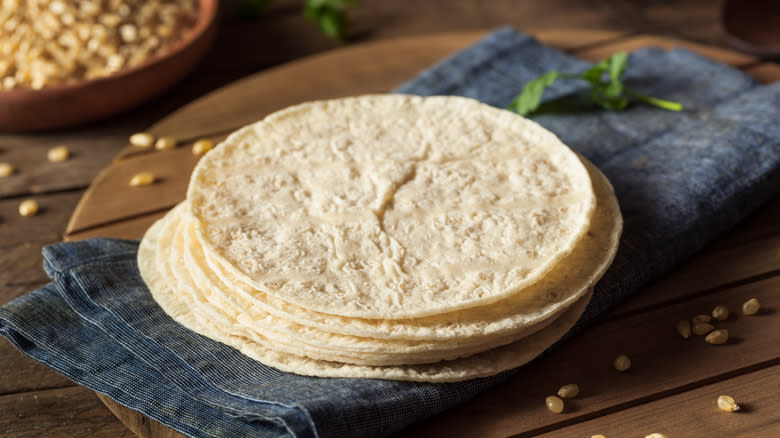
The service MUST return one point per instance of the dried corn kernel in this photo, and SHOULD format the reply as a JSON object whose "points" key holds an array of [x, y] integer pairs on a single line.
{"points": [[554, 404], [751, 306], [165, 143], [28, 208], [727, 403], [129, 33], [720, 312], [656, 435], [622, 363], [698, 319], [110, 20], [683, 328], [142, 139], [142, 179], [9, 82], [717, 337], [57, 7], [57, 154], [598, 436], [6, 169], [702, 328], [202, 146], [569, 391], [52, 42]]}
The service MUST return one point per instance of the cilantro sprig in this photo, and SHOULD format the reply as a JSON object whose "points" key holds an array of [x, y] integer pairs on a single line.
{"points": [[329, 15], [606, 88]]}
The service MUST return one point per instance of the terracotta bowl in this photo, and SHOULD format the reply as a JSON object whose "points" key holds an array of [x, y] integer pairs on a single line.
{"points": [[87, 100]]}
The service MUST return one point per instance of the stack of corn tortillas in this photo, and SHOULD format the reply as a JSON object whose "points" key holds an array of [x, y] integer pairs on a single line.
{"points": [[388, 236]]}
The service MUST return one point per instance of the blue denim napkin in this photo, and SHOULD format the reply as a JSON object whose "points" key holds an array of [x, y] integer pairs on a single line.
{"points": [[681, 179]]}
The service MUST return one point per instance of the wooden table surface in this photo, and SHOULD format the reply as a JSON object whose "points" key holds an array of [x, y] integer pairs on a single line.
{"points": [[35, 401]]}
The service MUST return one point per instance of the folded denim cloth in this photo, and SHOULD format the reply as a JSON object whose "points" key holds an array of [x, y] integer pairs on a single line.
{"points": [[681, 179]]}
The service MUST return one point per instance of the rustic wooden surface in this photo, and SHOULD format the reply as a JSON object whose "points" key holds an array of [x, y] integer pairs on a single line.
{"points": [[673, 384]]}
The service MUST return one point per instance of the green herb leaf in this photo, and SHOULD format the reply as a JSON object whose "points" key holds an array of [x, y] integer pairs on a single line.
{"points": [[606, 88], [528, 101], [611, 103], [310, 11], [593, 74], [329, 16], [332, 23], [617, 65]]}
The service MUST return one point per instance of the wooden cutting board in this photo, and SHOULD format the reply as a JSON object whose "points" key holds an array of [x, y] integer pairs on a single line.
{"points": [[111, 208]]}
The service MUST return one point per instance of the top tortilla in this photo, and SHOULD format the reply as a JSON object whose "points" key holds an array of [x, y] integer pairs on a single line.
{"points": [[391, 206]]}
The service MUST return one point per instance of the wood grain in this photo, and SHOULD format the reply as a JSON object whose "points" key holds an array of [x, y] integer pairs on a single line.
{"points": [[72, 412], [21, 265], [111, 198], [13, 291], [35, 175], [764, 72], [756, 393], [120, 230], [22, 238], [762, 224], [695, 20], [141, 425], [48, 225], [734, 264], [22, 374]]}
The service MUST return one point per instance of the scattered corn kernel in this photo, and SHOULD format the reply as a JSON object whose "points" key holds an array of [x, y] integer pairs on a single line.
{"points": [[165, 143], [58, 153], [698, 319], [717, 337], [142, 140], [6, 169], [751, 306], [28, 208], [720, 312], [702, 328], [598, 436], [656, 435], [622, 363], [683, 328], [142, 179], [726, 403], [569, 391], [202, 146], [554, 404]]}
